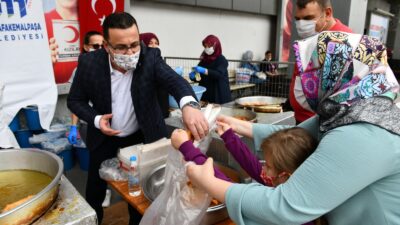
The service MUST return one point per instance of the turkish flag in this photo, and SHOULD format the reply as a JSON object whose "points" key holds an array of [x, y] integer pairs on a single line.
{"points": [[93, 12]]}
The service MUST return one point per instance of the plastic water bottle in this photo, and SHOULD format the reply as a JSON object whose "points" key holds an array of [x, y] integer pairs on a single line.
{"points": [[133, 179]]}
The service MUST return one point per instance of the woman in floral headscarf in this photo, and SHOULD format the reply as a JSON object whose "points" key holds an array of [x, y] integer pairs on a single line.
{"points": [[213, 70], [353, 177]]}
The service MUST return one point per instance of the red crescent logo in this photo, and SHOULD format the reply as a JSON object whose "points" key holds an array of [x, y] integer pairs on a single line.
{"points": [[76, 34]]}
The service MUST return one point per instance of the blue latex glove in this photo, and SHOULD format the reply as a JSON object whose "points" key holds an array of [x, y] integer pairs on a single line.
{"points": [[200, 69], [192, 76], [73, 134], [179, 70]]}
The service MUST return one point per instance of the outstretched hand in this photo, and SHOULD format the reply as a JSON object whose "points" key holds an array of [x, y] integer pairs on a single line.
{"points": [[240, 127], [178, 137], [195, 121], [222, 128], [105, 126], [201, 175]]}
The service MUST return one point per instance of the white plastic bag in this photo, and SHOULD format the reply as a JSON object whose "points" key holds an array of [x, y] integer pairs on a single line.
{"points": [[178, 203]]}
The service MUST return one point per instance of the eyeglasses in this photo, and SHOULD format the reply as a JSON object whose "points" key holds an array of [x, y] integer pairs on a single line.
{"points": [[123, 49], [96, 46]]}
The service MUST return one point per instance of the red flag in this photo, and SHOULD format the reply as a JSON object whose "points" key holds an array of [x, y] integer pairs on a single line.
{"points": [[93, 12]]}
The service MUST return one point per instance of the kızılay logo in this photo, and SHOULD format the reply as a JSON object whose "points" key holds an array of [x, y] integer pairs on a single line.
{"points": [[10, 7]]}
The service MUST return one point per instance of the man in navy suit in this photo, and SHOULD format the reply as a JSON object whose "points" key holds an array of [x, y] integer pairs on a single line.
{"points": [[120, 81]]}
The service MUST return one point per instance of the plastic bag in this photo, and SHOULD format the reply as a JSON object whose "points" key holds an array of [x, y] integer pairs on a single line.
{"points": [[210, 113], [56, 145], [110, 170], [45, 137], [178, 203], [243, 75]]}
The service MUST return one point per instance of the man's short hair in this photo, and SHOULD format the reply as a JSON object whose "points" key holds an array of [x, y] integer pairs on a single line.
{"points": [[322, 3], [120, 20], [88, 35]]}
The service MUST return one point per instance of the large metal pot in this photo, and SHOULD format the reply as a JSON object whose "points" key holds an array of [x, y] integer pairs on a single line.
{"points": [[37, 160], [239, 113], [154, 183]]}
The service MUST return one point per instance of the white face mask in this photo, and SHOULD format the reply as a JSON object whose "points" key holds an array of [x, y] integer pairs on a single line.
{"points": [[126, 62], [92, 49], [306, 28], [209, 51]]}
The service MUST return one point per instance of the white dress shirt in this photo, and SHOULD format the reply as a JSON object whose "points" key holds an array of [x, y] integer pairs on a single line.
{"points": [[124, 117]]}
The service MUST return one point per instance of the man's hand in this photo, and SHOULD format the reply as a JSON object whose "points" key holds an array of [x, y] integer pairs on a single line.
{"points": [[53, 49], [105, 125], [178, 137], [195, 122]]}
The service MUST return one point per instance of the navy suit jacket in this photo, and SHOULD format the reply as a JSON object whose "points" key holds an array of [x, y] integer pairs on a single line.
{"points": [[92, 82]]}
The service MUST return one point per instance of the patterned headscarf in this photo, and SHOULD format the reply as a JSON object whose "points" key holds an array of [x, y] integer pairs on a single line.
{"points": [[212, 41], [345, 78]]}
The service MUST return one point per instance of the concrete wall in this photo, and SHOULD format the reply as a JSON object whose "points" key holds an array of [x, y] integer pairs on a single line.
{"points": [[182, 28], [357, 15]]}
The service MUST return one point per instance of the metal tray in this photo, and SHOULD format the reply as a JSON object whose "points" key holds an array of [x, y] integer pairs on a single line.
{"points": [[239, 113], [254, 101]]}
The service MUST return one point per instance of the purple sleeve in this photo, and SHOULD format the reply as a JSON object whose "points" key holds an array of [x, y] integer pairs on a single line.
{"points": [[242, 154], [194, 154]]}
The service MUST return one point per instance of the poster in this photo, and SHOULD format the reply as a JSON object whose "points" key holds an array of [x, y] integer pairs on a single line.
{"points": [[378, 27], [26, 73], [63, 36]]}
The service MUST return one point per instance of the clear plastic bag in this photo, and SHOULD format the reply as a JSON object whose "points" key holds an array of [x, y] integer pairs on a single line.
{"points": [[210, 113], [44, 137], [56, 145], [110, 170], [178, 203]]}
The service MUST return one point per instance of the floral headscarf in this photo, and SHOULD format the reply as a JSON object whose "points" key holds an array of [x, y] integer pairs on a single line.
{"points": [[345, 78]]}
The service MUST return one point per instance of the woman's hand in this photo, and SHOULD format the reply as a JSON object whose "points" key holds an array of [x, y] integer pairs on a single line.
{"points": [[53, 49], [202, 176], [179, 137], [238, 126], [222, 128]]}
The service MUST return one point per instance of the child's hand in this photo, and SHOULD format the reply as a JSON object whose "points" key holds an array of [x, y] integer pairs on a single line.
{"points": [[179, 137], [222, 127]]}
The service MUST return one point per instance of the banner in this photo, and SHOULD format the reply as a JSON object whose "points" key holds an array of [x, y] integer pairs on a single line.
{"points": [[93, 12], [25, 64]]}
